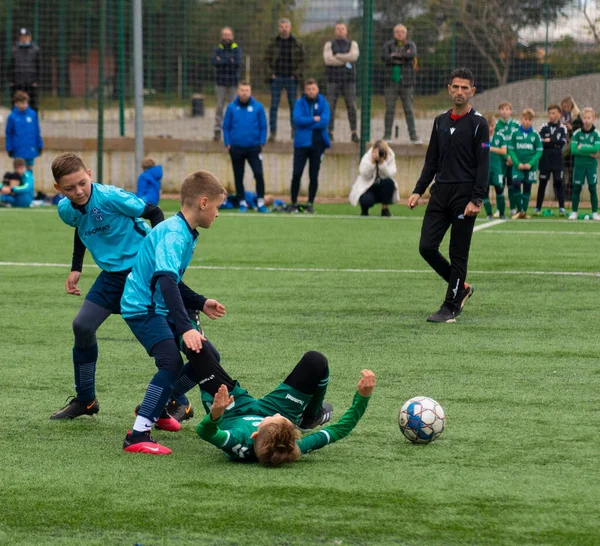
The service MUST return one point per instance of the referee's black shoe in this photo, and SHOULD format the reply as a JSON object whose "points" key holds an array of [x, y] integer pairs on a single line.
{"points": [[445, 314]]}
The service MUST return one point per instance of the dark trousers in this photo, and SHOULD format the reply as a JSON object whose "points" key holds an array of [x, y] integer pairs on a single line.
{"points": [[239, 156], [559, 187], [380, 192], [394, 90], [446, 210], [30, 90], [335, 90], [278, 84], [301, 155]]}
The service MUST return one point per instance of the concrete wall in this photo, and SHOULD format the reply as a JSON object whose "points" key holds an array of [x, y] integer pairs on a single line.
{"points": [[180, 157]]}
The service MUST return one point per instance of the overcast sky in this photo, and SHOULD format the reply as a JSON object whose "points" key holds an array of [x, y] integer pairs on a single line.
{"points": [[573, 25]]}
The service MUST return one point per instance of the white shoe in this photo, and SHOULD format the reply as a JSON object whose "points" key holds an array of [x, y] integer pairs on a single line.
{"points": [[497, 214], [513, 212], [418, 141], [596, 216], [573, 216]]}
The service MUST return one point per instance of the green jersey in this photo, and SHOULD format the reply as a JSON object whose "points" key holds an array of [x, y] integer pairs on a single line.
{"points": [[507, 128], [497, 161], [525, 147], [233, 435], [583, 144]]}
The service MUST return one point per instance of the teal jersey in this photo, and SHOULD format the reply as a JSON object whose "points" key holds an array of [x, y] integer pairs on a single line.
{"points": [[525, 147], [497, 161], [109, 225], [233, 435], [24, 193], [167, 250], [583, 144]]}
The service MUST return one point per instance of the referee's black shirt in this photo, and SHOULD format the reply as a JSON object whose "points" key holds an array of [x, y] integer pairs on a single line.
{"points": [[458, 153]]}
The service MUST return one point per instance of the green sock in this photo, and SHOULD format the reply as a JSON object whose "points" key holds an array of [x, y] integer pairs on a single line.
{"points": [[575, 198], [488, 206], [525, 201], [317, 400], [594, 197], [501, 204], [515, 204]]}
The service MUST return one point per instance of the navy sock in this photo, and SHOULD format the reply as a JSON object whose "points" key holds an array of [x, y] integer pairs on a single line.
{"points": [[84, 367], [186, 381], [157, 395]]}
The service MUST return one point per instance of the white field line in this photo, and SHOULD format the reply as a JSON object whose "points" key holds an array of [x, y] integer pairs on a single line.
{"points": [[533, 232], [488, 225], [331, 270]]}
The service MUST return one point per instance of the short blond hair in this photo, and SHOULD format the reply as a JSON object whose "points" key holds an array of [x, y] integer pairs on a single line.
{"points": [[275, 444], [200, 184], [589, 110], [491, 119], [505, 103], [528, 113], [148, 163]]}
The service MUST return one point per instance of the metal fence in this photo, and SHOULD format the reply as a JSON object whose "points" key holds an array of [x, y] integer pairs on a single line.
{"points": [[512, 46]]}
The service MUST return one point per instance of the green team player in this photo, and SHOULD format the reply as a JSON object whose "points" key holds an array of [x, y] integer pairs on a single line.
{"points": [[507, 126], [525, 149], [266, 429], [585, 147], [498, 152]]}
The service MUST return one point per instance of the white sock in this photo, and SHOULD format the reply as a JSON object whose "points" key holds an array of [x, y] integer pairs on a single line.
{"points": [[260, 202], [142, 424], [243, 203]]}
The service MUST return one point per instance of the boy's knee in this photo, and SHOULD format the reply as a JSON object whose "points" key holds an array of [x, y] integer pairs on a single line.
{"points": [[317, 361], [168, 358], [82, 328]]}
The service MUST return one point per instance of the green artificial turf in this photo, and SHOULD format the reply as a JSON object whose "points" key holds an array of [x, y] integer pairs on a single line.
{"points": [[517, 375]]}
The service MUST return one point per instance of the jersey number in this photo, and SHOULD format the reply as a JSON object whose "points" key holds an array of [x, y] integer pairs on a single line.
{"points": [[239, 450]]}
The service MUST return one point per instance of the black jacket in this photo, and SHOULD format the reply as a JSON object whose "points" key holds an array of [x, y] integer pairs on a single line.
{"points": [[458, 152], [553, 150], [272, 57], [25, 65], [227, 61], [406, 60]]}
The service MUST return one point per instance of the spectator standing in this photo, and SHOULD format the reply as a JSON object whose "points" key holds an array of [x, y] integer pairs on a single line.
{"points": [[340, 56], [399, 56], [25, 68], [23, 138], [284, 59], [571, 119], [374, 183], [150, 182], [311, 119], [227, 59], [554, 137], [245, 133]]}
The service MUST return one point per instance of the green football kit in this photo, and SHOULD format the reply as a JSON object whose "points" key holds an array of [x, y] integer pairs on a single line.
{"points": [[232, 433], [583, 145], [524, 147], [496, 174], [507, 128]]}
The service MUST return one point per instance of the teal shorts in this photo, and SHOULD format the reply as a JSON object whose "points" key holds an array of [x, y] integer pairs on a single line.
{"points": [[284, 400], [580, 174]]}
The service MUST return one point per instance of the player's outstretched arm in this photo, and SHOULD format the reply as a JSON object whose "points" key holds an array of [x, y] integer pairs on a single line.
{"points": [[347, 422], [76, 266], [208, 429]]}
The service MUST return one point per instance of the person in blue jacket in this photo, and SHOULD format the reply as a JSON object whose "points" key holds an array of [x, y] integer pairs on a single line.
{"points": [[149, 182], [23, 138], [19, 190], [244, 134], [311, 119]]}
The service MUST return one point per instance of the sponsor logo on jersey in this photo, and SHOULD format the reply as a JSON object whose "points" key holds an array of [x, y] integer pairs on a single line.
{"points": [[524, 146], [99, 229], [485, 144]]}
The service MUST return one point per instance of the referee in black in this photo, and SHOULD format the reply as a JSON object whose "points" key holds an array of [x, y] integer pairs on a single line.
{"points": [[458, 157]]}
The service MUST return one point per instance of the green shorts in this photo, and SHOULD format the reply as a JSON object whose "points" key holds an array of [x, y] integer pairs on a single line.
{"points": [[580, 174], [284, 400], [496, 180], [527, 177]]}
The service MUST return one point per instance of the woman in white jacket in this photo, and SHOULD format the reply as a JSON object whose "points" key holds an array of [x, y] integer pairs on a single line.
{"points": [[375, 183]]}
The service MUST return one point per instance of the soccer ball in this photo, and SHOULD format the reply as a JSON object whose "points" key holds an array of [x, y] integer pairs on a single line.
{"points": [[421, 420]]}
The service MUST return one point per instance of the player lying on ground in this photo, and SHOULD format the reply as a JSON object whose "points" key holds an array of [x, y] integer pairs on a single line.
{"points": [[266, 429]]}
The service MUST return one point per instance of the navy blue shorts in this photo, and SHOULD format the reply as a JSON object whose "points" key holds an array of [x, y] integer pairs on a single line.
{"points": [[150, 329], [108, 289]]}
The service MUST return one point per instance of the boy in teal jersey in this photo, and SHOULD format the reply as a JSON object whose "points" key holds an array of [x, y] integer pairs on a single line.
{"points": [[507, 126], [108, 222], [266, 429], [496, 175], [154, 306], [525, 149], [585, 147], [21, 193]]}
